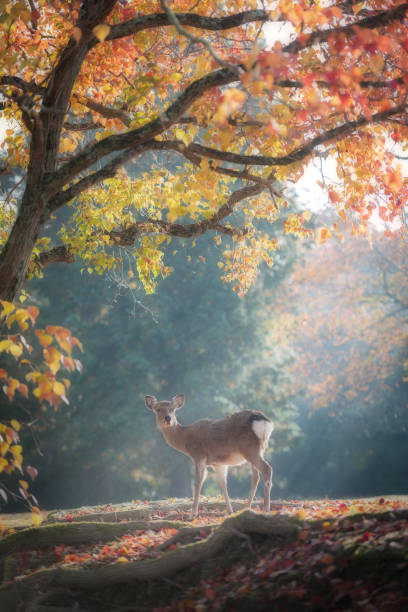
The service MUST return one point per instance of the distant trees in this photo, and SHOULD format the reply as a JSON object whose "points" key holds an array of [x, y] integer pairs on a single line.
{"points": [[193, 335], [349, 337]]}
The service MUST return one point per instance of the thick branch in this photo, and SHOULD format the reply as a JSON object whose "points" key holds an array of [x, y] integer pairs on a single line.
{"points": [[57, 254], [72, 126], [214, 24], [128, 236], [376, 21], [302, 152], [108, 112], [287, 83], [133, 138], [25, 86]]}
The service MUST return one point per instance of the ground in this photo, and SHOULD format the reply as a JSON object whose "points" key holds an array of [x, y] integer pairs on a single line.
{"points": [[303, 555]]}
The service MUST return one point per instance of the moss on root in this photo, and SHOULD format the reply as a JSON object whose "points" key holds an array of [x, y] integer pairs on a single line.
{"points": [[242, 539]]}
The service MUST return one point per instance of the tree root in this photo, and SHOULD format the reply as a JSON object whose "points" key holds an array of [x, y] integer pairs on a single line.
{"points": [[186, 534], [77, 533], [94, 579], [145, 512]]}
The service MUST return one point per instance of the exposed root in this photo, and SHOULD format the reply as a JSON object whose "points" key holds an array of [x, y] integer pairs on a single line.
{"points": [[94, 579], [78, 533], [146, 512], [186, 534]]}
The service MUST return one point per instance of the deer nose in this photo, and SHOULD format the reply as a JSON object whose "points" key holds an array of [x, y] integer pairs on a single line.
{"points": [[167, 419]]}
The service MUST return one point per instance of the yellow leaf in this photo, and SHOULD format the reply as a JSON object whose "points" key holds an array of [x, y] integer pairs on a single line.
{"points": [[16, 350], [7, 308], [36, 519], [322, 234], [43, 338], [15, 424], [23, 484], [53, 358], [122, 560], [21, 316], [101, 31], [16, 449], [4, 446], [5, 345], [307, 215], [58, 388]]}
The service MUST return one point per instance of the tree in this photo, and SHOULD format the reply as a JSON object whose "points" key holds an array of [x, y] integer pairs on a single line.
{"points": [[348, 334], [193, 335], [94, 84]]}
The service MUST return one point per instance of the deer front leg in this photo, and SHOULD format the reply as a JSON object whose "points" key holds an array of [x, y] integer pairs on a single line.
{"points": [[254, 484], [200, 476], [222, 472]]}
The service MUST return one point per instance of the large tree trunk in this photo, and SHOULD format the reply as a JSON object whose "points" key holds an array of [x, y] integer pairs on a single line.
{"points": [[16, 254], [45, 131]]}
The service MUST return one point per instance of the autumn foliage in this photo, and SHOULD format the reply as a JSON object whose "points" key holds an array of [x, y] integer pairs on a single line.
{"points": [[41, 371], [229, 103], [317, 554]]}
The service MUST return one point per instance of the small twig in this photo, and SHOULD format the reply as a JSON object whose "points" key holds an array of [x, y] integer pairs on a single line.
{"points": [[7, 200], [195, 39]]}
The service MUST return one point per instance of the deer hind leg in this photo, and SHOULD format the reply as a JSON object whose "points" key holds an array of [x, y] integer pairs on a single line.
{"points": [[259, 463], [222, 471], [200, 476], [254, 484]]}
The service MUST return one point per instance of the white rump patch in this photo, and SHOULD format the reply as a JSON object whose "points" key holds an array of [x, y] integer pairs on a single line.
{"points": [[262, 429]]}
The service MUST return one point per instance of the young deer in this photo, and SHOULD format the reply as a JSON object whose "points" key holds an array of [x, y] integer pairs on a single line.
{"points": [[241, 437]]}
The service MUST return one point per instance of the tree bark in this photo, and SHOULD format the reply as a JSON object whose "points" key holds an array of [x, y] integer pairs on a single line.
{"points": [[16, 254]]}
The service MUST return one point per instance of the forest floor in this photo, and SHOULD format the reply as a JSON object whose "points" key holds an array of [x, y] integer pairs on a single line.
{"points": [[303, 555]]}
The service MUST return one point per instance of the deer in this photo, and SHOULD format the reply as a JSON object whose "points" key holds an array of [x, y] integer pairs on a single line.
{"points": [[238, 438]]}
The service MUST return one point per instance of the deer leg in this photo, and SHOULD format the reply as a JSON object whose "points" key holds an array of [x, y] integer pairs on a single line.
{"points": [[200, 476], [254, 484], [257, 461], [266, 472], [222, 471]]}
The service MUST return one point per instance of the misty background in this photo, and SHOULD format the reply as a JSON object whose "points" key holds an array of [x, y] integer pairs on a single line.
{"points": [[319, 344]]}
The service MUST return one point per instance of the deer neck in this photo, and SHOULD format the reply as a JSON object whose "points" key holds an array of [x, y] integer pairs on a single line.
{"points": [[175, 436]]}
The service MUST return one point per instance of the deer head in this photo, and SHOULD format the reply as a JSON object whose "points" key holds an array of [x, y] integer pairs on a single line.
{"points": [[164, 411]]}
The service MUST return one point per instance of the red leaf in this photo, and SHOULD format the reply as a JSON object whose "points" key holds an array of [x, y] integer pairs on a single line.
{"points": [[31, 471]]}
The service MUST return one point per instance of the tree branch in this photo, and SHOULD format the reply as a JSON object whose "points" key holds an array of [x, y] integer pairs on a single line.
{"points": [[92, 153], [194, 151], [214, 24], [109, 112], [300, 153], [381, 19], [108, 171], [127, 236], [25, 86], [172, 17], [55, 255]]}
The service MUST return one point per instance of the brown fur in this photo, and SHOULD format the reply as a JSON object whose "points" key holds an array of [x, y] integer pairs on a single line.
{"points": [[218, 443]]}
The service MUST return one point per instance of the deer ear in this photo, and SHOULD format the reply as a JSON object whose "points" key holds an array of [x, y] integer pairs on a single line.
{"points": [[178, 401], [150, 401]]}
